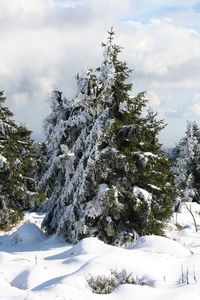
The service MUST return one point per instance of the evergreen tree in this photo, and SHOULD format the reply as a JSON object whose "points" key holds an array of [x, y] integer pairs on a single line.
{"points": [[17, 184], [187, 164], [109, 177]]}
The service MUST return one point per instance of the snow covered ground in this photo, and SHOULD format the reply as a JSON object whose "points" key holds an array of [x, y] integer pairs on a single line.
{"points": [[35, 266]]}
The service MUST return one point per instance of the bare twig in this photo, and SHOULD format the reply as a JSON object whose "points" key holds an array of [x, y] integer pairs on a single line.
{"points": [[182, 274], [187, 276], [194, 273], [190, 211]]}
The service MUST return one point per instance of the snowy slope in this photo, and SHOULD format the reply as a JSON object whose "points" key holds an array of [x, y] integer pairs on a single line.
{"points": [[36, 266]]}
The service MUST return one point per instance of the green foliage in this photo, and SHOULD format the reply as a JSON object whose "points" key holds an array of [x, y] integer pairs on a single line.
{"points": [[42, 196], [186, 164], [17, 184], [142, 163], [15, 217]]}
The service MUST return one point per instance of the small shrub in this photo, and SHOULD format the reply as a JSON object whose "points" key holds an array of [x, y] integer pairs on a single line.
{"points": [[106, 285], [103, 284]]}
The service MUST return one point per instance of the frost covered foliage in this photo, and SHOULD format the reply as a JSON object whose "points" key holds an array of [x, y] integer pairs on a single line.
{"points": [[17, 164], [187, 163], [106, 285], [106, 175]]}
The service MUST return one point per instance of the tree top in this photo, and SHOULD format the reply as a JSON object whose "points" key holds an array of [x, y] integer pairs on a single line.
{"points": [[111, 34]]}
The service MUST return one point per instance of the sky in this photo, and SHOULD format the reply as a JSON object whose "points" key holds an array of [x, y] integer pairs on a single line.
{"points": [[44, 43]]}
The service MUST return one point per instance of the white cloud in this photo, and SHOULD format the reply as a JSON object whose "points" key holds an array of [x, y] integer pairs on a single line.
{"points": [[161, 48], [193, 109], [44, 43], [154, 99]]}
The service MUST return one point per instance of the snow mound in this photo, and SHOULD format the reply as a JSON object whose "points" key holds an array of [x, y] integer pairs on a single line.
{"points": [[41, 267], [159, 244], [87, 246], [3, 281], [27, 233], [34, 217], [21, 281]]}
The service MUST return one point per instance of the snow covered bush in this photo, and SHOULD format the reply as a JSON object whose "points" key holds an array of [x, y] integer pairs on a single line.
{"points": [[102, 284], [187, 164], [17, 164], [106, 175]]}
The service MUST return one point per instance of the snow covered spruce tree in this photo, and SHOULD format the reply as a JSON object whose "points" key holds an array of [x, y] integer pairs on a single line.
{"points": [[187, 164], [106, 175], [17, 184]]}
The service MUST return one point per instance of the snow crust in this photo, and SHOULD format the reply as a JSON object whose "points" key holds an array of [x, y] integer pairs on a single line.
{"points": [[123, 106], [4, 126], [35, 266], [159, 244], [3, 161], [142, 194]]}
